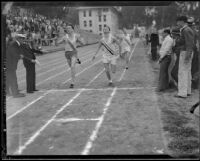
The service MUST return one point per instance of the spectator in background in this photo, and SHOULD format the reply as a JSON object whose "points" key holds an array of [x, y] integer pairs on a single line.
{"points": [[13, 54], [185, 59], [154, 40], [175, 55], [164, 60], [195, 60], [147, 39], [29, 61]]}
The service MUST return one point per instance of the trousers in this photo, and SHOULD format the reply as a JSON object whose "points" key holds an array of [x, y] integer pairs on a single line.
{"points": [[184, 75], [164, 76]]}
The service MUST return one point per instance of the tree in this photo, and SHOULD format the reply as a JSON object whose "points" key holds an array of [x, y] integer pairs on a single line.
{"points": [[164, 16]]}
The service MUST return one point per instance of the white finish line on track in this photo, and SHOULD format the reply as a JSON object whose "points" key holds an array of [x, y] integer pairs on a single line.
{"points": [[98, 89], [76, 119]]}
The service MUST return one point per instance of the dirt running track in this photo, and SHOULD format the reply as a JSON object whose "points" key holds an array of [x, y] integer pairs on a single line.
{"points": [[90, 119]]}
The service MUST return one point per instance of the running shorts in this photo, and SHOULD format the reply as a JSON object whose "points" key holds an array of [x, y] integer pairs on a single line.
{"points": [[70, 54], [112, 60]]}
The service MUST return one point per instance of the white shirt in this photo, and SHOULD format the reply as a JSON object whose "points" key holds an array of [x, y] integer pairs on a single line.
{"points": [[17, 42], [109, 42], [166, 48]]}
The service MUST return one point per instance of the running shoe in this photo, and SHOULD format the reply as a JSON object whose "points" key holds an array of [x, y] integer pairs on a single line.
{"points": [[111, 84], [71, 86], [78, 61]]}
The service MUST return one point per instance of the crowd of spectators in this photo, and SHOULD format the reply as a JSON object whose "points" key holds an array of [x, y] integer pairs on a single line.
{"points": [[38, 28]]}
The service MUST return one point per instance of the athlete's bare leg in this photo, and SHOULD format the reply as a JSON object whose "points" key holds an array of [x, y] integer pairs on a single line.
{"points": [[113, 68], [107, 70]]}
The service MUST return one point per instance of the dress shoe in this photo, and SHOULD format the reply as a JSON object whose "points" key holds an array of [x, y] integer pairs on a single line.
{"points": [[19, 95], [177, 96], [36, 90]]}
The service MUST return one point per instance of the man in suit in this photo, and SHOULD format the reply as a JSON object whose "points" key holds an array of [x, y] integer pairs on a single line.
{"points": [[185, 58], [13, 54], [195, 60], [29, 60]]}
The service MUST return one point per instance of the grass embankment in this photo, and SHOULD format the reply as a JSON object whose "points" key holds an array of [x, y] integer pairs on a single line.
{"points": [[181, 129]]}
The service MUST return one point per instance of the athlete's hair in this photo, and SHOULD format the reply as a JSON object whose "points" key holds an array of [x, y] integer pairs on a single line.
{"points": [[167, 31], [107, 27], [70, 25]]}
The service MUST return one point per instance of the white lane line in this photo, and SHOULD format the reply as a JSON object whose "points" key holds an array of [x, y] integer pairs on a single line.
{"points": [[28, 105], [60, 66], [33, 137], [49, 92], [93, 136], [101, 89], [98, 125], [75, 119]]}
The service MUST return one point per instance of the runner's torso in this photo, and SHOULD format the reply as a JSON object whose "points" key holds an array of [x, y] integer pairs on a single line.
{"points": [[110, 42], [125, 46], [72, 39]]}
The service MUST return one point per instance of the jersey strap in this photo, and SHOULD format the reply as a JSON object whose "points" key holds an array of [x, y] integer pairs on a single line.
{"points": [[107, 47]]}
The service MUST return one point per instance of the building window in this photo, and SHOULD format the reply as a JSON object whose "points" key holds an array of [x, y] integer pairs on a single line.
{"points": [[104, 18], [100, 28], [90, 13], [90, 23], [84, 13], [85, 23], [104, 25], [90, 30], [99, 18]]}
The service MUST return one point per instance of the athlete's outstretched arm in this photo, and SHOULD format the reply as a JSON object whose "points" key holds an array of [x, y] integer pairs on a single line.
{"points": [[80, 40], [119, 44], [99, 47], [60, 41]]}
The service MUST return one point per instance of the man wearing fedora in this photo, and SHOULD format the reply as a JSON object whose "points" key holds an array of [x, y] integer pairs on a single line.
{"points": [[13, 54]]}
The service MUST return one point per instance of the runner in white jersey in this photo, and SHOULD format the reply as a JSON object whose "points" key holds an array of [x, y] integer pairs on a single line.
{"points": [[108, 45], [71, 53], [125, 46]]}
